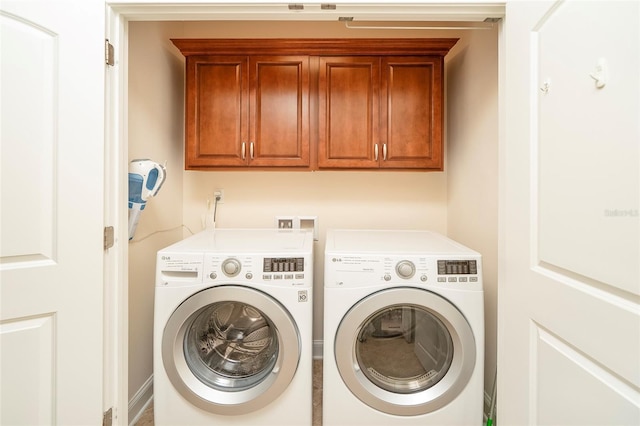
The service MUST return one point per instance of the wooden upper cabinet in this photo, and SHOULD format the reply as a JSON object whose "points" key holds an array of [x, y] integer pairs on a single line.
{"points": [[348, 103], [376, 103], [217, 111], [380, 112], [411, 113], [279, 111], [247, 111]]}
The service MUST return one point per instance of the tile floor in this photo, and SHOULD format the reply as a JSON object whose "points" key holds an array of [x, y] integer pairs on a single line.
{"points": [[147, 417]]}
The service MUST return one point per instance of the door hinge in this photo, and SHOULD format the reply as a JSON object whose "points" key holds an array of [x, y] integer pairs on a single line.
{"points": [[108, 237], [109, 57], [107, 417]]}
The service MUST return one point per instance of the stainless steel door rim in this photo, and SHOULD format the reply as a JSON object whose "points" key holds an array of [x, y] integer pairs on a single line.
{"points": [[405, 403], [220, 396]]}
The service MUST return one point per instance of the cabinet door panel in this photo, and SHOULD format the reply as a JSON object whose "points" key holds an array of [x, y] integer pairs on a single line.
{"points": [[279, 110], [411, 116], [348, 111], [217, 111]]}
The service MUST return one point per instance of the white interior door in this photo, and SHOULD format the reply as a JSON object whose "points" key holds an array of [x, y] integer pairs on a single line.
{"points": [[569, 313], [51, 198]]}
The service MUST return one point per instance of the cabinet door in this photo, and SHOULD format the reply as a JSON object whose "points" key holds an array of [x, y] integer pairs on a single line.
{"points": [[348, 103], [411, 112], [279, 111], [217, 111]]}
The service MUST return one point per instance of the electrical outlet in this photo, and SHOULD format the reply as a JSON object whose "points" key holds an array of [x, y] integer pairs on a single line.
{"points": [[298, 222], [285, 223], [218, 193]]}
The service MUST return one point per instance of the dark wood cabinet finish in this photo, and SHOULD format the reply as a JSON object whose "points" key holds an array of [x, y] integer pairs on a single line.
{"points": [[247, 111], [380, 112], [411, 113], [348, 109], [314, 103]]}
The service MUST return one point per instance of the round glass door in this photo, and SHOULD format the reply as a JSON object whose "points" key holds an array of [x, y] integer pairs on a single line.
{"points": [[405, 351], [230, 349], [231, 345]]}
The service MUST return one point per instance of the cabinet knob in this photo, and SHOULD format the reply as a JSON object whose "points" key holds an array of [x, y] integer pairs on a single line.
{"points": [[375, 152], [244, 150], [251, 150], [384, 152]]}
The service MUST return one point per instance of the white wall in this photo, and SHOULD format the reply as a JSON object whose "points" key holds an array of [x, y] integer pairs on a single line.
{"points": [[447, 202]]}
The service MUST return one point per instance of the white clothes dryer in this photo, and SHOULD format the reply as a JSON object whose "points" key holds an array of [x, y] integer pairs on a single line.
{"points": [[233, 329], [403, 330]]}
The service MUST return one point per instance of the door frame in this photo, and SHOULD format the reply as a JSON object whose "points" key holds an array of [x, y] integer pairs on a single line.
{"points": [[116, 264], [118, 14]]}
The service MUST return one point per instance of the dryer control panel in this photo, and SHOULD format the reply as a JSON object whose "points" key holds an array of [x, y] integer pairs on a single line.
{"points": [[457, 267], [351, 270], [455, 270]]}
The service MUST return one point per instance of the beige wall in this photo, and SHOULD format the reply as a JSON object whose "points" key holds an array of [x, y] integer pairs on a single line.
{"points": [[472, 164], [461, 202], [155, 108]]}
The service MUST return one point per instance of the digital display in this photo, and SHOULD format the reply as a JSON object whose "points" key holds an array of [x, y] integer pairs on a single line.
{"points": [[283, 264], [457, 267]]}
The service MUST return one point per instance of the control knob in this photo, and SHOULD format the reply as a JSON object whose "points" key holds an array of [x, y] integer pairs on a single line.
{"points": [[231, 267], [405, 269]]}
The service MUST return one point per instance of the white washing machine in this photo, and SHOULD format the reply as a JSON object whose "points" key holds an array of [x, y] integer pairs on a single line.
{"points": [[232, 329], [403, 330]]}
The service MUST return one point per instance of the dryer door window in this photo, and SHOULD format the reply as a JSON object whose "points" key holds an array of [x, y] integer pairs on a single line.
{"points": [[405, 351], [230, 349]]}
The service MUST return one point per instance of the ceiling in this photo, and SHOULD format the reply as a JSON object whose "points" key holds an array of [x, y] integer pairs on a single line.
{"points": [[356, 12]]}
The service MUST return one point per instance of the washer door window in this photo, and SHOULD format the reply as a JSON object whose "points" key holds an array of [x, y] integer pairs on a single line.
{"points": [[405, 351], [230, 349]]}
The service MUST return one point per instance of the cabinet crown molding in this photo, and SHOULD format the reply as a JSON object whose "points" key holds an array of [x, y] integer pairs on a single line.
{"points": [[312, 46]]}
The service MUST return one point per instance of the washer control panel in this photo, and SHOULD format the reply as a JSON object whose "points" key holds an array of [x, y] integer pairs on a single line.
{"points": [[283, 264], [289, 270], [231, 267]]}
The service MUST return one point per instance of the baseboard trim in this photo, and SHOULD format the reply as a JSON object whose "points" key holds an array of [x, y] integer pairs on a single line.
{"points": [[317, 349], [140, 401]]}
